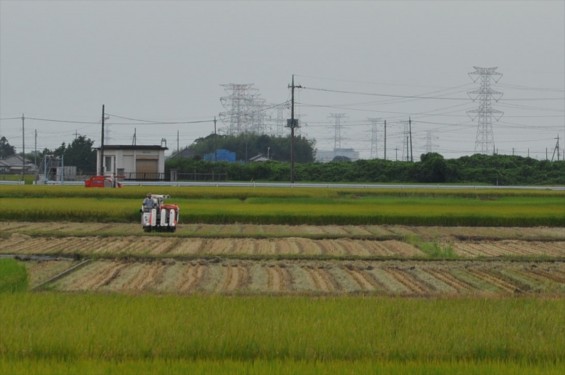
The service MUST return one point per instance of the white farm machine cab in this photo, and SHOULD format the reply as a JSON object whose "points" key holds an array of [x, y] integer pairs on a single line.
{"points": [[156, 215]]}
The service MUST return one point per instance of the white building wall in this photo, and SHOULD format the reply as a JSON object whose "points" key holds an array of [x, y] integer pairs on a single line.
{"points": [[123, 161]]}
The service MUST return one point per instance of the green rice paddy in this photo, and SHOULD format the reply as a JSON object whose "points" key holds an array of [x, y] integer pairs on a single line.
{"points": [[318, 206]]}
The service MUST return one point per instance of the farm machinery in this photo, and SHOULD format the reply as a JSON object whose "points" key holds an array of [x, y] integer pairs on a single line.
{"points": [[158, 216]]}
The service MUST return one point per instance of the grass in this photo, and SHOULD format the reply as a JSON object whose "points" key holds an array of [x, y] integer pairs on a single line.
{"points": [[432, 249], [13, 276]]}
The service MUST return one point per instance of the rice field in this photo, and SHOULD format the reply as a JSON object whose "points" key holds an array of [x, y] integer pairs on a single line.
{"points": [[316, 206], [304, 277], [87, 332], [336, 260], [290, 247], [313, 281]]}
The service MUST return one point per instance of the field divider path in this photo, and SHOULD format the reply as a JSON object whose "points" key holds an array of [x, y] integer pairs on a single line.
{"points": [[65, 273]]}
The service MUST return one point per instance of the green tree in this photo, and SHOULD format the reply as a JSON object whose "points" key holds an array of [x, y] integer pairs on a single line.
{"points": [[247, 145], [432, 168], [6, 149], [78, 153]]}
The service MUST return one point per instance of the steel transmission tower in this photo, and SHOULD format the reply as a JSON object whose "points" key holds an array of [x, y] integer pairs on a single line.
{"points": [[374, 137], [337, 125], [430, 141], [485, 95], [280, 123], [406, 142], [244, 109]]}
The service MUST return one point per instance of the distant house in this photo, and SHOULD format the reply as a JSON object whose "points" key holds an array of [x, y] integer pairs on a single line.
{"points": [[258, 158], [185, 153], [15, 163], [139, 162], [4, 167]]}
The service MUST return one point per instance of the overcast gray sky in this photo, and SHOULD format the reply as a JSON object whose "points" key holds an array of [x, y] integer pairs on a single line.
{"points": [[165, 61]]}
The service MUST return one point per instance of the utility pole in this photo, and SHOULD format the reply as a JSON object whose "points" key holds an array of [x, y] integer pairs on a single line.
{"points": [[556, 149], [23, 148], [35, 150], [178, 141], [292, 123], [385, 139], [102, 144], [215, 135]]}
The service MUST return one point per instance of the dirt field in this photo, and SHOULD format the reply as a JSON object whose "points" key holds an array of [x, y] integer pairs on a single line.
{"points": [[290, 260]]}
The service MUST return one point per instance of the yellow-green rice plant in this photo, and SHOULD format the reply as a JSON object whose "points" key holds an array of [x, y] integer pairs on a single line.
{"points": [[73, 327]]}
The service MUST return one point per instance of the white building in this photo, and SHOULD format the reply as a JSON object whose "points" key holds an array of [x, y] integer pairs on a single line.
{"points": [[133, 162]]}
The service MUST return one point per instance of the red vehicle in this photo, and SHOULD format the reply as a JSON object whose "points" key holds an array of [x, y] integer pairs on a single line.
{"points": [[101, 182]]}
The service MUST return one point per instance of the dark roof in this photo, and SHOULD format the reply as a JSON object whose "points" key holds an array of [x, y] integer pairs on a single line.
{"points": [[130, 147]]}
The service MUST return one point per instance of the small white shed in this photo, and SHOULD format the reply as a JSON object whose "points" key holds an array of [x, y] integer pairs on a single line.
{"points": [[133, 162]]}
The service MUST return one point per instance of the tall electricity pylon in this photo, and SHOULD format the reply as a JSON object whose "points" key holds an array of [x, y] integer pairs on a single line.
{"points": [[243, 109], [374, 137], [430, 141], [337, 124], [485, 95]]}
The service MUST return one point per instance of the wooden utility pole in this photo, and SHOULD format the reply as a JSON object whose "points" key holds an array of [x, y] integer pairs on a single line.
{"points": [[215, 135], [292, 123], [23, 148], [102, 144], [35, 151]]}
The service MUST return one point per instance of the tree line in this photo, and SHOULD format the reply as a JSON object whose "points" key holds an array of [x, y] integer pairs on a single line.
{"points": [[248, 145], [78, 153], [431, 168]]}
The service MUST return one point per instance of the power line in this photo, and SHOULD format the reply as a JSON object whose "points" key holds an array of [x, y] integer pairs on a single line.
{"points": [[383, 95], [63, 121], [154, 122]]}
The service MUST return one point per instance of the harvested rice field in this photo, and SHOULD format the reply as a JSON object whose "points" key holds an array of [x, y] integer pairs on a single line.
{"points": [[304, 260], [412, 278]]}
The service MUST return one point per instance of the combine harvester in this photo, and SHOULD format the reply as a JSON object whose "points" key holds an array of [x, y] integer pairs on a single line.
{"points": [[158, 216]]}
